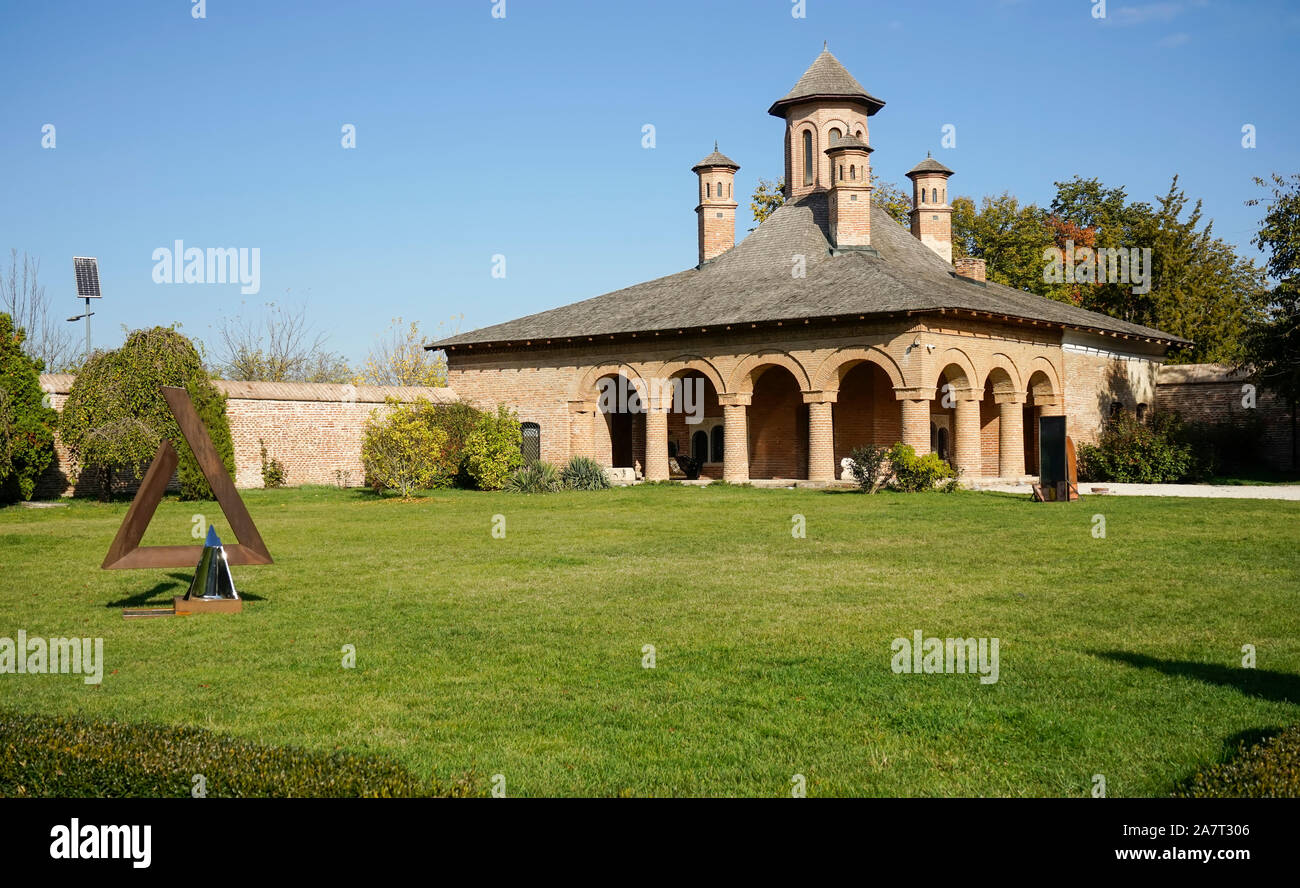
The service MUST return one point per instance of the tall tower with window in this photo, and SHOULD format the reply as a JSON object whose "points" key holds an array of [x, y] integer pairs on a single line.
{"points": [[931, 213], [826, 105], [717, 207], [849, 203]]}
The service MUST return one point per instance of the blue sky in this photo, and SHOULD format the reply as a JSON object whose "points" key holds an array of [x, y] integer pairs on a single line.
{"points": [[522, 136]]}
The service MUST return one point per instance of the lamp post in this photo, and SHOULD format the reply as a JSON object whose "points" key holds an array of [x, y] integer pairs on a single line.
{"points": [[86, 270]]}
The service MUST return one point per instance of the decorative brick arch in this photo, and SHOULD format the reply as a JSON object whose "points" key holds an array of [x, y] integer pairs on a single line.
{"points": [[1010, 379], [587, 382], [958, 358], [1053, 393], [742, 381], [700, 365], [830, 373]]}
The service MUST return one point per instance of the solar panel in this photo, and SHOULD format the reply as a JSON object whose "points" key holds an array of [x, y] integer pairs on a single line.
{"points": [[87, 271]]}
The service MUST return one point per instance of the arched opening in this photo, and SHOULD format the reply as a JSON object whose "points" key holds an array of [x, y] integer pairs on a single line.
{"points": [[695, 410], [778, 425], [835, 135], [943, 412], [866, 412], [807, 157], [853, 172], [1039, 395], [619, 435]]}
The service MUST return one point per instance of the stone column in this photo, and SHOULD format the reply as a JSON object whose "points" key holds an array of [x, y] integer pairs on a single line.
{"points": [[966, 435], [735, 437], [656, 442], [1011, 434], [916, 417], [821, 435]]}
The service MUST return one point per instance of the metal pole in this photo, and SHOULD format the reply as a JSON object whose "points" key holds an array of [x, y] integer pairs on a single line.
{"points": [[87, 328]]}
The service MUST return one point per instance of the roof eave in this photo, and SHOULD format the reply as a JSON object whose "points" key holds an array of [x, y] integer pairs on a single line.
{"points": [[872, 104]]}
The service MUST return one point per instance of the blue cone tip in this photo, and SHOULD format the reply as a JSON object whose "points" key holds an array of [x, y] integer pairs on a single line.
{"points": [[213, 539]]}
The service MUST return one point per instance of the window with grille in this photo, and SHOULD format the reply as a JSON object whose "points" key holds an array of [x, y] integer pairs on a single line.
{"points": [[532, 442]]}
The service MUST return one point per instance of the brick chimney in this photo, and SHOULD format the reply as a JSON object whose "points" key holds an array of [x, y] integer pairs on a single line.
{"points": [[717, 207], [849, 202], [970, 268], [931, 213]]}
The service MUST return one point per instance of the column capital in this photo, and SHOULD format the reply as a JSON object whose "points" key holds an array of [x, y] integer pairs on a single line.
{"points": [[1010, 397], [736, 399], [914, 392], [967, 394], [821, 397]]}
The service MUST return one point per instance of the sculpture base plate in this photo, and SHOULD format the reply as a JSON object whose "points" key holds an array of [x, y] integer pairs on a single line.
{"points": [[208, 605]]}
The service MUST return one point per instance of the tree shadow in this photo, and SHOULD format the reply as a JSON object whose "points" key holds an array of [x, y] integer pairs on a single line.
{"points": [[1265, 684], [163, 593]]}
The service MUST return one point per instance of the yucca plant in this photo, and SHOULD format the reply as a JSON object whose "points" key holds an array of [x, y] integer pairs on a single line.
{"points": [[584, 473], [540, 477]]}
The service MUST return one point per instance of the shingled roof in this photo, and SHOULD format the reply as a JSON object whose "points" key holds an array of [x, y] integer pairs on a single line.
{"points": [[716, 159], [752, 283], [826, 78], [929, 165]]}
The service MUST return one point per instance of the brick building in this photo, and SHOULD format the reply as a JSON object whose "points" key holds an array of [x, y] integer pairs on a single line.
{"points": [[827, 328]]}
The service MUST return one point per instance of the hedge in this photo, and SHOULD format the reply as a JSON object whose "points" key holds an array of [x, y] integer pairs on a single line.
{"points": [[1266, 770], [53, 756]]}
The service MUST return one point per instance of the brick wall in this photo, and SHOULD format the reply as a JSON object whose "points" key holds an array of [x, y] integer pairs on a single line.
{"points": [[1213, 393], [313, 428]]}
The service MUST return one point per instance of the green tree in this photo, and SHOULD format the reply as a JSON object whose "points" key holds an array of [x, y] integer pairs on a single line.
{"points": [[402, 449], [492, 450], [1010, 237], [1272, 346], [768, 197], [116, 416], [26, 422], [1201, 289], [895, 201]]}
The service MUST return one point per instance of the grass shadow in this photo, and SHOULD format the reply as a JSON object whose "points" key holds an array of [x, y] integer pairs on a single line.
{"points": [[163, 593], [1265, 684]]}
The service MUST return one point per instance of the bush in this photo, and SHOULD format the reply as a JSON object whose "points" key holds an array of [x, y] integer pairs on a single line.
{"points": [[458, 419], [540, 477], [403, 451], [912, 473], [870, 467], [1270, 770], [273, 471], [115, 415], [492, 450], [26, 424], [584, 473], [1152, 452], [44, 756]]}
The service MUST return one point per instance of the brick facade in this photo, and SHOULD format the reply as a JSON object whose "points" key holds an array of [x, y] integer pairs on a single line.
{"points": [[1214, 393], [314, 429]]}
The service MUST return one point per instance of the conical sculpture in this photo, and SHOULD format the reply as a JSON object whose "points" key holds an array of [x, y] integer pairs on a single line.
{"points": [[212, 589]]}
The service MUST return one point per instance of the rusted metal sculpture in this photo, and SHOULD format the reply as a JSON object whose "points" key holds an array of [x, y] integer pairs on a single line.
{"points": [[126, 552]]}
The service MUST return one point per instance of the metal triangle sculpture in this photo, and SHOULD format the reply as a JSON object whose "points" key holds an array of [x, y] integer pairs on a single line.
{"points": [[126, 552]]}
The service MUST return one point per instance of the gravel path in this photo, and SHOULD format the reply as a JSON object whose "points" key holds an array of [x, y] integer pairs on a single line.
{"points": [[1220, 491]]}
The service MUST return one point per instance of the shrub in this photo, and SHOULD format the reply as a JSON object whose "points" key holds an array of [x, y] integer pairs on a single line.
{"points": [[1270, 769], [584, 473], [870, 467], [458, 419], [402, 450], [540, 477], [273, 471], [1151, 452], [44, 756], [115, 415], [492, 450], [912, 473], [26, 424]]}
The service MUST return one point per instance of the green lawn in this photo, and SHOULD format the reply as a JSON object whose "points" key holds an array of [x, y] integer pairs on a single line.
{"points": [[523, 656]]}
